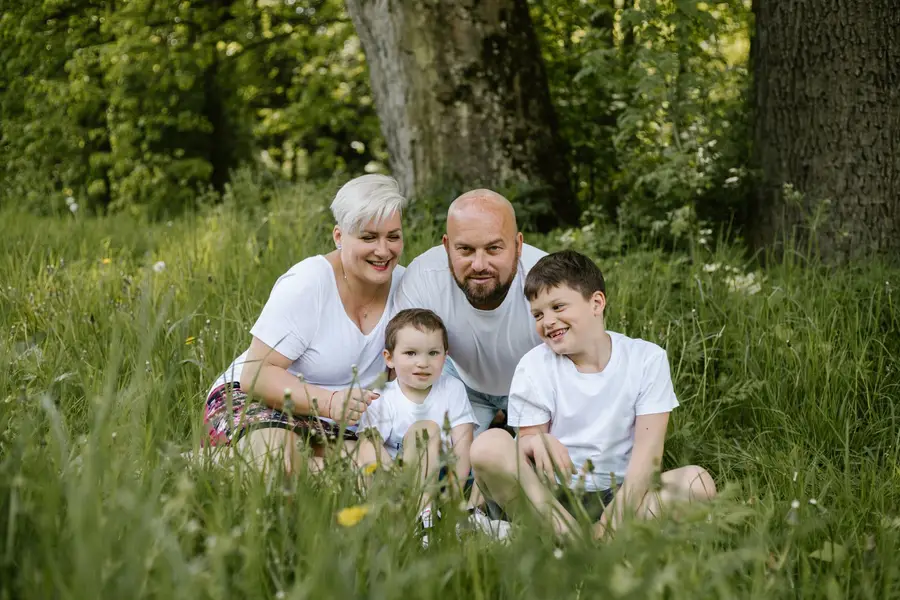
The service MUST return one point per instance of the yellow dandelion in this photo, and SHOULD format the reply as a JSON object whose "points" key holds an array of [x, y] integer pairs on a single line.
{"points": [[190, 340], [106, 261], [349, 517], [371, 468]]}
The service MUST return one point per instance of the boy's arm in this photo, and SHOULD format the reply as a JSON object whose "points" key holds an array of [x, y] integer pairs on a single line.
{"points": [[461, 437], [646, 459], [536, 443]]}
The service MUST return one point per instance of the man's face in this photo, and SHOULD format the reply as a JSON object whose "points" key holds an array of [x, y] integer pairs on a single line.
{"points": [[483, 249]]}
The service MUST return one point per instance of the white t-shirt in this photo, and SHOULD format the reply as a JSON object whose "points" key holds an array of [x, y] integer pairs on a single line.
{"points": [[485, 345], [393, 413], [304, 319], [593, 414]]}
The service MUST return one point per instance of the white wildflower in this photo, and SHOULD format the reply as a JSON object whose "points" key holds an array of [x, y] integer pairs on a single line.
{"points": [[73, 207], [159, 266], [743, 283], [795, 503], [712, 268]]}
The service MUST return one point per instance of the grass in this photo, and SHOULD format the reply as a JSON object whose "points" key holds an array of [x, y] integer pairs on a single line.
{"points": [[788, 397]]}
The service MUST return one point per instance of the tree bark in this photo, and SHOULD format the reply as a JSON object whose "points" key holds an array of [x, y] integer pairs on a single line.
{"points": [[827, 96], [462, 96]]}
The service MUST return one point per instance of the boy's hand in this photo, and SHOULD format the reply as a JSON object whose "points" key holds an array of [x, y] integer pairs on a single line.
{"points": [[548, 455]]}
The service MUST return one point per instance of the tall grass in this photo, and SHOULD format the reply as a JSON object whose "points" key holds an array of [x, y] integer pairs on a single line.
{"points": [[788, 396]]}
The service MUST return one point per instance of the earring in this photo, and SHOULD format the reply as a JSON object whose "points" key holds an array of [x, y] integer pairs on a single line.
{"points": [[338, 246]]}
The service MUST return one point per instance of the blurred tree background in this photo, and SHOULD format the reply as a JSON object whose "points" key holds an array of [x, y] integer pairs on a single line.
{"points": [[152, 106]]}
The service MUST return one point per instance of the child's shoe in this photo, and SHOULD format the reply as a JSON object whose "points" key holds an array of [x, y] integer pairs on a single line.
{"points": [[425, 522]]}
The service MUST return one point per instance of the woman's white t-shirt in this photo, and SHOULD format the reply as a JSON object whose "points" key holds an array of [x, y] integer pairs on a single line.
{"points": [[393, 413], [593, 414], [304, 319]]}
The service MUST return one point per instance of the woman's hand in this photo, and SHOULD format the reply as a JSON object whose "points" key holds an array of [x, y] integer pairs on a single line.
{"points": [[348, 405]]}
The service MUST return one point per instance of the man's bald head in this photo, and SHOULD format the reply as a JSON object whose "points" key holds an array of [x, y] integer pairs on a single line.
{"points": [[483, 246], [483, 204]]}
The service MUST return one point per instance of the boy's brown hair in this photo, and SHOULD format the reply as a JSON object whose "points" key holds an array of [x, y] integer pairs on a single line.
{"points": [[565, 268], [420, 318]]}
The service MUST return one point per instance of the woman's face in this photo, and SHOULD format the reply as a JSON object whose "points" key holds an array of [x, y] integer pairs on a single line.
{"points": [[372, 253]]}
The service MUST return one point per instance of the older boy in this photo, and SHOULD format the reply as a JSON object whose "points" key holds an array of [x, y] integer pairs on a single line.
{"points": [[589, 402]]}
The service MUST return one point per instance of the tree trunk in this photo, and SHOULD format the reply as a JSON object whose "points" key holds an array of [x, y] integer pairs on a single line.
{"points": [[827, 94], [462, 97]]}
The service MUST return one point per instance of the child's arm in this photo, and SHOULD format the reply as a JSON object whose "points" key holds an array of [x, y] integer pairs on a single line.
{"points": [[461, 437], [646, 458], [545, 450]]}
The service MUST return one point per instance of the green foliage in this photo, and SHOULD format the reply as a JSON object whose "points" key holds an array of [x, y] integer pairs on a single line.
{"points": [[651, 99], [115, 330], [149, 106]]}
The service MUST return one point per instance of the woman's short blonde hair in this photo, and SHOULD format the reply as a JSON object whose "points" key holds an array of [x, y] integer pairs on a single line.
{"points": [[365, 198]]}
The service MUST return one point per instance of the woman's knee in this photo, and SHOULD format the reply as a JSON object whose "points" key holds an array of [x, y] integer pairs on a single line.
{"points": [[269, 447], [491, 449]]}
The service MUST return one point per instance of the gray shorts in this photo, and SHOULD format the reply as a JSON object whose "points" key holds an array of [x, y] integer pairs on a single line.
{"points": [[485, 406]]}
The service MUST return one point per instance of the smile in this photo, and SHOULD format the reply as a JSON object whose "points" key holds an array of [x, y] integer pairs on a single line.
{"points": [[379, 264], [557, 333]]}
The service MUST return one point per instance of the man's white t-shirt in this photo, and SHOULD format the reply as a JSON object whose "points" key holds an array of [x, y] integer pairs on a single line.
{"points": [[485, 345], [392, 414], [304, 319], [593, 414]]}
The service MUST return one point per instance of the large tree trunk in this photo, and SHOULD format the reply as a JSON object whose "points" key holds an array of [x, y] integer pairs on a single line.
{"points": [[462, 96], [827, 94]]}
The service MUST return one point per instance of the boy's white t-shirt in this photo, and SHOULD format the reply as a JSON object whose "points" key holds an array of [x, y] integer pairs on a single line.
{"points": [[593, 414], [304, 319], [392, 414], [485, 345]]}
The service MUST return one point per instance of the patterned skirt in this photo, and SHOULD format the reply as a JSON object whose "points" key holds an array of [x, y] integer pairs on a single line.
{"points": [[226, 427]]}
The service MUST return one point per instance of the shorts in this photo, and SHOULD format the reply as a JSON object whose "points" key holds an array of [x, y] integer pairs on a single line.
{"points": [[485, 406], [224, 428], [593, 503]]}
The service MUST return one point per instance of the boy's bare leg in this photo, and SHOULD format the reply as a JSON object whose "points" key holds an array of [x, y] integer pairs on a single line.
{"points": [[422, 447], [503, 472], [685, 484]]}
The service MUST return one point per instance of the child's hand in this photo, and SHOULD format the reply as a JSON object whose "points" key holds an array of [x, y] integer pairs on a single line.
{"points": [[549, 454]]}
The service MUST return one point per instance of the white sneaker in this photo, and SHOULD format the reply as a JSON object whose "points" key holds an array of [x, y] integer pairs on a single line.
{"points": [[495, 528], [424, 523]]}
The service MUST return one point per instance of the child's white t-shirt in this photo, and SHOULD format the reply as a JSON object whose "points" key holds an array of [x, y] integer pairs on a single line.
{"points": [[593, 414], [304, 319], [392, 414], [485, 345]]}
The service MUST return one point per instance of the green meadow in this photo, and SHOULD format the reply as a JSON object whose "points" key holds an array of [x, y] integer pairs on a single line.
{"points": [[114, 329]]}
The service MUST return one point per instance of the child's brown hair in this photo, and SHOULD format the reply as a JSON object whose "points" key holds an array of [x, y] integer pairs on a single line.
{"points": [[420, 318]]}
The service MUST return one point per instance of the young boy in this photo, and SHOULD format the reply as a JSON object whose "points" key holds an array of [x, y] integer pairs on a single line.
{"points": [[408, 419], [591, 402]]}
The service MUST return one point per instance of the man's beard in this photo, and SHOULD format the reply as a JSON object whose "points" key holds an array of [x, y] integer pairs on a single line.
{"points": [[484, 295]]}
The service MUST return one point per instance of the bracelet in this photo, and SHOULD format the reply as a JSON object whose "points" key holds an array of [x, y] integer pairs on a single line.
{"points": [[330, 398]]}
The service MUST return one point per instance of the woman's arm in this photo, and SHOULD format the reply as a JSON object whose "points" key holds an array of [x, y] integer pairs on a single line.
{"points": [[265, 376]]}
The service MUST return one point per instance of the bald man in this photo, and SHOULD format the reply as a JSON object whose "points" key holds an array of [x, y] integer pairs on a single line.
{"points": [[474, 282]]}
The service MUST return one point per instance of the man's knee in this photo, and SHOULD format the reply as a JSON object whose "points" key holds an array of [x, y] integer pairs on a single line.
{"points": [[491, 449]]}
